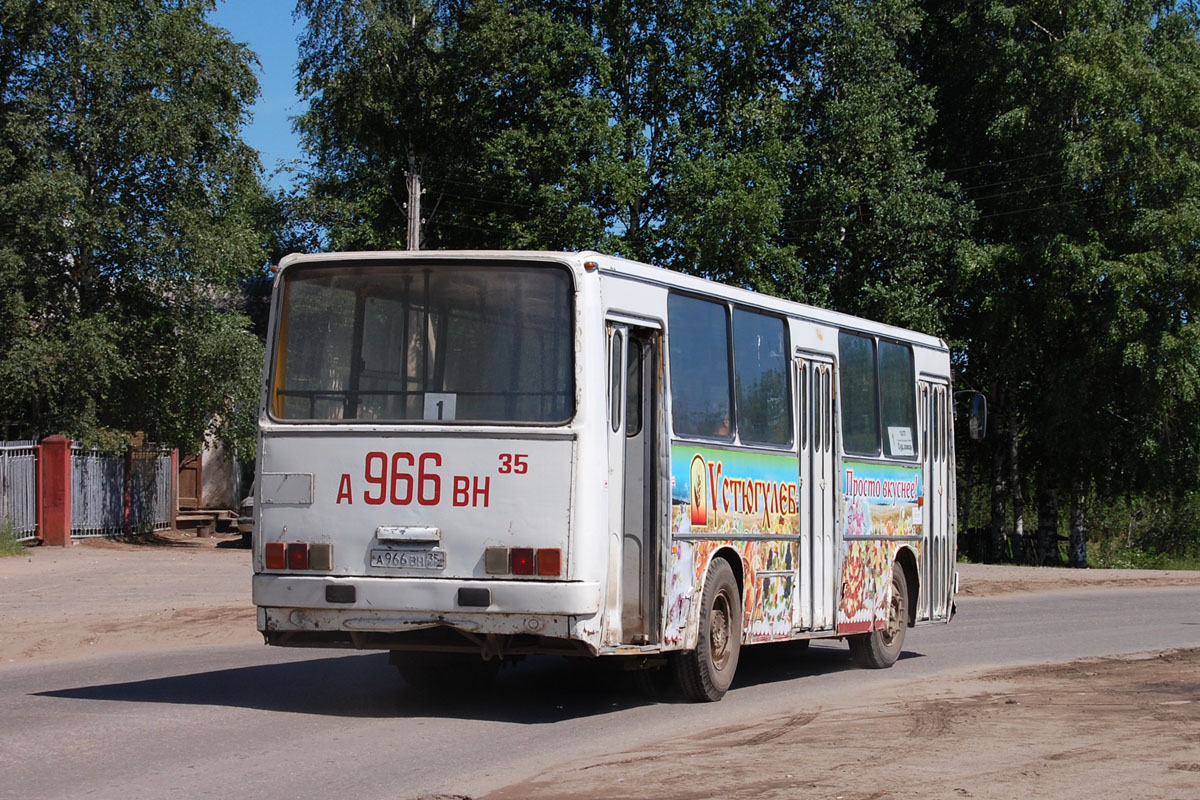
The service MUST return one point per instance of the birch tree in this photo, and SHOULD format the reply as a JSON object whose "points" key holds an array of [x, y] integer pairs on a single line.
{"points": [[127, 215]]}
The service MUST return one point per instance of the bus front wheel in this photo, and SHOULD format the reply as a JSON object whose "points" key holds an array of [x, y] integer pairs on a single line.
{"points": [[880, 648], [704, 674]]}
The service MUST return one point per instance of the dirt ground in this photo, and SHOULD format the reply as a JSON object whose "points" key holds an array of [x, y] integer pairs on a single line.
{"points": [[1095, 729], [1110, 728], [101, 596], [1125, 727]]}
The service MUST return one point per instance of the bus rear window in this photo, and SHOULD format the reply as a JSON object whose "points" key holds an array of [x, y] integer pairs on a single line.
{"points": [[415, 342]]}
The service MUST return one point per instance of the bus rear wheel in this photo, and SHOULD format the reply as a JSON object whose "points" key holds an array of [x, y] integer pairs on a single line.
{"points": [[705, 674], [879, 649]]}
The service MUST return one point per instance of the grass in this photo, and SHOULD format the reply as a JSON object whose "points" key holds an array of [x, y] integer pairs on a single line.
{"points": [[9, 546], [1119, 557]]}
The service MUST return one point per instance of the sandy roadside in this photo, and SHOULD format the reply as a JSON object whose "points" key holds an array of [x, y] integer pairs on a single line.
{"points": [[103, 596], [1124, 727], [98, 596]]}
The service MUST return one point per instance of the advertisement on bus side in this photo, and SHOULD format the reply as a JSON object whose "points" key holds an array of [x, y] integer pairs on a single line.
{"points": [[721, 497], [881, 504]]}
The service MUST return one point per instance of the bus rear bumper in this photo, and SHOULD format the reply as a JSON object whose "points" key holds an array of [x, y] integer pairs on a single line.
{"points": [[368, 609]]}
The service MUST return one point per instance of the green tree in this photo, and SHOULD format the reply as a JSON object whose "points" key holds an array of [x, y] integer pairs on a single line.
{"points": [[484, 100], [127, 207], [711, 138], [649, 130], [701, 168], [878, 229], [1074, 132]]}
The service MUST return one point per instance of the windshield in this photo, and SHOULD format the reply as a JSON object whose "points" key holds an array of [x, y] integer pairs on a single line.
{"points": [[421, 342]]}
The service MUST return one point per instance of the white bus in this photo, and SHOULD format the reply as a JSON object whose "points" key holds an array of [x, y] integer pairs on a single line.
{"points": [[469, 457]]}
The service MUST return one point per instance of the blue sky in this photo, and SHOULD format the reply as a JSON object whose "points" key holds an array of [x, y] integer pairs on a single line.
{"points": [[267, 27]]}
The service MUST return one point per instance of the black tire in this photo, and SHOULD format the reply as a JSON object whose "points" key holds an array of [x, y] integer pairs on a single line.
{"points": [[879, 649], [438, 672], [705, 674]]}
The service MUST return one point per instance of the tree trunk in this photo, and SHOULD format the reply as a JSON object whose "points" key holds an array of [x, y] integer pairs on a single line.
{"points": [[962, 508], [996, 541], [1018, 497], [1077, 548], [1047, 530]]}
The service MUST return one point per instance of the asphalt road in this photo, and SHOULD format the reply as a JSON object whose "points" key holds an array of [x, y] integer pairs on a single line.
{"points": [[255, 722]]}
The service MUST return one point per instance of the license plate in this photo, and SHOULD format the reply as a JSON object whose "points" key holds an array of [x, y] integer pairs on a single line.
{"points": [[409, 559]]}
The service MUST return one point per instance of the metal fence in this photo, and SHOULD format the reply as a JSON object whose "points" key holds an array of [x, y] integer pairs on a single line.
{"points": [[18, 488], [98, 492]]}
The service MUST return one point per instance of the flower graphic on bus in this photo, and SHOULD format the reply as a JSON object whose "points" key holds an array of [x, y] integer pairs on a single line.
{"points": [[858, 517]]}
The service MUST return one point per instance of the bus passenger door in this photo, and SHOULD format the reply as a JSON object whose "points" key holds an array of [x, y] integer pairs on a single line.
{"points": [[818, 555], [633, 415], [940, 550]]}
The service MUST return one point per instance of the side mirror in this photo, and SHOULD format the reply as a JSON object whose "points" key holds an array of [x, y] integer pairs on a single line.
{"points": [[977, 417]]}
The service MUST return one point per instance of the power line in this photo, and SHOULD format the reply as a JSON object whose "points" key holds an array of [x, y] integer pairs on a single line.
{"points": [[1004, 161]]}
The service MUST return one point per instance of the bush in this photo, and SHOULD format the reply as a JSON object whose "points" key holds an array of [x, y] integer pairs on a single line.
{"points": [[1147, 532], [9, 546]]}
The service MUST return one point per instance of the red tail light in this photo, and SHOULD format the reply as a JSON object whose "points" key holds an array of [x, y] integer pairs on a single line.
{"points": [[522, 561], [276, 555], [297, 555], [549, 561], [543, 562]]}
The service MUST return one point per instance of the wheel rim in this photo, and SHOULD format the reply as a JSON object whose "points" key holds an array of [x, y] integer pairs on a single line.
{"points": [[895, 618], [719, 631]]}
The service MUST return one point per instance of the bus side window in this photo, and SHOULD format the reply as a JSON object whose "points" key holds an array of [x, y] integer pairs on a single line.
{"points": [[879, 399], [802, 388], [897, 393], [816, 410], [827, 407], [760, 368], [633, 383], [701, 396], [860, 394], [616, 394]]}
